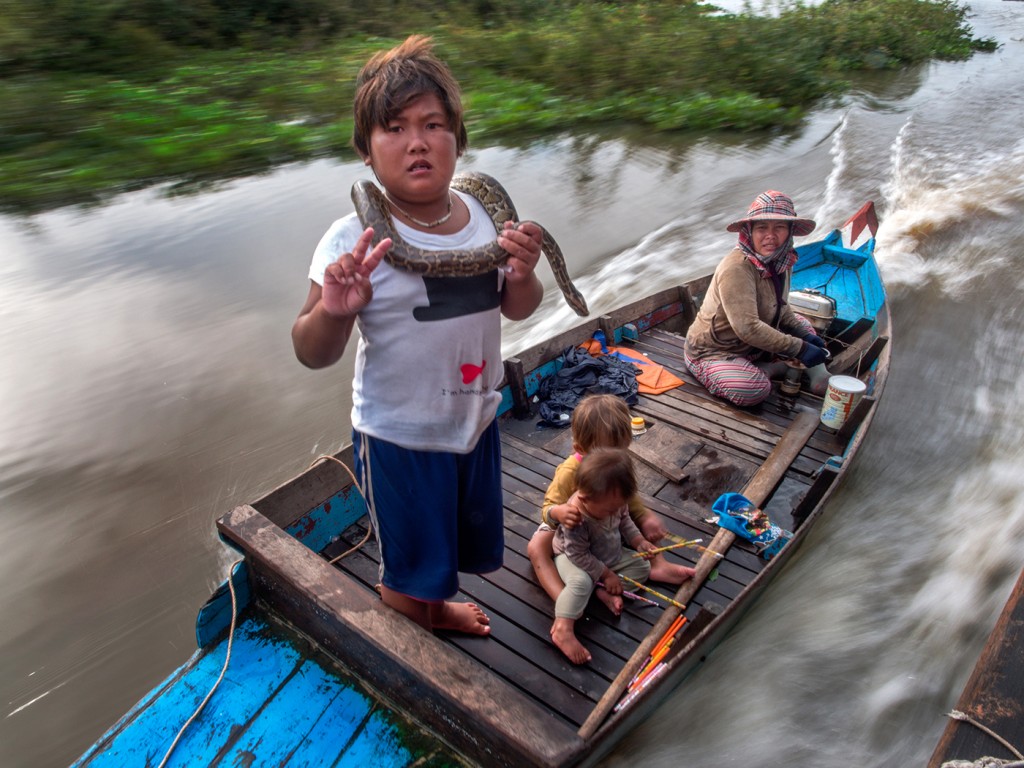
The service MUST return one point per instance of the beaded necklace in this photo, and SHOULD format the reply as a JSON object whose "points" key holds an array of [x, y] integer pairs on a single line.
{"points": [[424, 224]]}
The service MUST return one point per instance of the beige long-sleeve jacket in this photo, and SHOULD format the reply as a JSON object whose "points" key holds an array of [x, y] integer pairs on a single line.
{"points": [[735, 317]]}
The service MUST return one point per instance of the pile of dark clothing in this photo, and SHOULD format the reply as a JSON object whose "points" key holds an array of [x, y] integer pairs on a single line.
{"points": [[583, 374]]}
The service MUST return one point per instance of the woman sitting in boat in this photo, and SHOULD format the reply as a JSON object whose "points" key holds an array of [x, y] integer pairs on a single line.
{"points": [[746, 331]]}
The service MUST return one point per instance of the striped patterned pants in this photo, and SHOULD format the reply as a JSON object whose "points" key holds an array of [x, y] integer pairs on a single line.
{"points": [[736, 379]]}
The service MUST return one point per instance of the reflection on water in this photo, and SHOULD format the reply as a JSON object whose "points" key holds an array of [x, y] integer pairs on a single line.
{"points": [[148, 385]]}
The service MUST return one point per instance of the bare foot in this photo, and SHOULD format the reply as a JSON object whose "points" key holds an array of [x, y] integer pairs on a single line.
{"points": [[612, 602], [668, 573], [460, 617], [564, 637]]}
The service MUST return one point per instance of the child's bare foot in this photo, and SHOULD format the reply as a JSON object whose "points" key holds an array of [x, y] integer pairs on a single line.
{"points": [[460, 617], [612, 602], [564, 637], [664, 571]]}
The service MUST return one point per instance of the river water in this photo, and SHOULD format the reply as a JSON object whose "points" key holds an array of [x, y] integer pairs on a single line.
{"points": [[148, 385]]}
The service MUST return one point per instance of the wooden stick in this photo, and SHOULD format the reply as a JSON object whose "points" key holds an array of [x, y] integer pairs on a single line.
{"points": [[757, 490]]}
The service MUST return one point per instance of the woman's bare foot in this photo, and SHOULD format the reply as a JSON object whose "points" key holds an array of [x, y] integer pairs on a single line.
{"points": [[612, 602], [667, 573], [460, 617], [563, 635]]}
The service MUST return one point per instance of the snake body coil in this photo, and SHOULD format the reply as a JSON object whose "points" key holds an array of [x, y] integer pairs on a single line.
{"points": [[374, 211]]}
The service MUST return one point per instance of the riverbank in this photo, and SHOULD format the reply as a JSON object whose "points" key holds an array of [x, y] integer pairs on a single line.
{"points": [[81, 136]]}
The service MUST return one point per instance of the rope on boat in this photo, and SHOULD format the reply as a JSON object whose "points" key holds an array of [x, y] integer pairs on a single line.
{"points": [[234, 617], [846, 345], [984, 762], [355, 484], [223, 669]]}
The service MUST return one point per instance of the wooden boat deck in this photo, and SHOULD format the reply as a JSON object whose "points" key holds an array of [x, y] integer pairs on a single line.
{"points": [[513, 698], [690, 436]]}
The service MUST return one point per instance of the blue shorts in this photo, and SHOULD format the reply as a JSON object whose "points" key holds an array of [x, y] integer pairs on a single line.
{"points": [[434, 513]]}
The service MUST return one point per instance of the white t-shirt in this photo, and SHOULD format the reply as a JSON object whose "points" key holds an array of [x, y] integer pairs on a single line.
{"points": [[428, 362]]}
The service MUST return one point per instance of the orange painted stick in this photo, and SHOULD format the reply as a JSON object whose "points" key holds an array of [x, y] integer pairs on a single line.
{"points": [[665, 642], [670, 633]]}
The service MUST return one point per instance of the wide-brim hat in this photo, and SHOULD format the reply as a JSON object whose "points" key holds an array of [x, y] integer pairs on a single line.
{"points": [[774, 206]]}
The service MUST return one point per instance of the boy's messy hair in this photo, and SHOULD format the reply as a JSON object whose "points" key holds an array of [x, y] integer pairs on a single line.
{"points": [[390, 80], [606, 470], [601, 421]]}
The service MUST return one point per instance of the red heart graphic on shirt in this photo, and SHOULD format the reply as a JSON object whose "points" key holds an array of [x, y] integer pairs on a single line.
{"points": [[470, 371]]}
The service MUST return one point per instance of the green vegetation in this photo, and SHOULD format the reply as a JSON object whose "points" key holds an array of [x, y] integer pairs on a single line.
{"points": [[106, 95]]}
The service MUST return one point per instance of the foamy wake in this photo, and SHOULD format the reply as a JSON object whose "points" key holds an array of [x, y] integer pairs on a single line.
{"points": [[940, 191]]}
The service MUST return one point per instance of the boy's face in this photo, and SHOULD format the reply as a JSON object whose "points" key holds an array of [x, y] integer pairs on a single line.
{"points": [[414, 155], [599, 506]]}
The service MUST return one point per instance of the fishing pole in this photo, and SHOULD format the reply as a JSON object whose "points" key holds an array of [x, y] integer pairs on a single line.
{"points": [[634, 596], [692, 543], [654, 592]]}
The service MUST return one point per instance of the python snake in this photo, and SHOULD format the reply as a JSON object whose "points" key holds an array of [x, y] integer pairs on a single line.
{"points": [[373, 210]]}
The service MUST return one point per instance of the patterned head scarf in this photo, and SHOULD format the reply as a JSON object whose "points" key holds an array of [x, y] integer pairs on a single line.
{"points": [[771, 206]]}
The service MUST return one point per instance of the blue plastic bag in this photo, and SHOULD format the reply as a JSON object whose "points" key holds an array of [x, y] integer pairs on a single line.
{"points": [[738, 514]]}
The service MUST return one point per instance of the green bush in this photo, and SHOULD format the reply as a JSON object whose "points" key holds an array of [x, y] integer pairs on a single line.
{"points": [[105, 95]]}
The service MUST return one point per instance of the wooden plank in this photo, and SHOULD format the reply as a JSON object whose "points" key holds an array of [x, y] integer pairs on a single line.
{"points": [[463, 701], [849, 358], [295, 498], [710, 471], [758, 490], [993, 697], [665, 450], [520, 630], [752, 433], [825, 480], [855, 419], [851, 332], [543, 454], [515, 378], [873, 353], [770, 417]]}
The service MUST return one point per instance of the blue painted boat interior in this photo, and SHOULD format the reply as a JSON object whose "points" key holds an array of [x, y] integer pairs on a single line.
{"points": [[848, 276], [279, 704]]}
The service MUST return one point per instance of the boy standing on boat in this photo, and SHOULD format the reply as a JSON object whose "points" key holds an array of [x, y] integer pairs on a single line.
{"points": [[425, 392], [590, 553]]}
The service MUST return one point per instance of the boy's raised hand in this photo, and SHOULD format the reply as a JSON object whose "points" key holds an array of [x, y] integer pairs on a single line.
{"points": [[347, 286], [522, 241]]}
